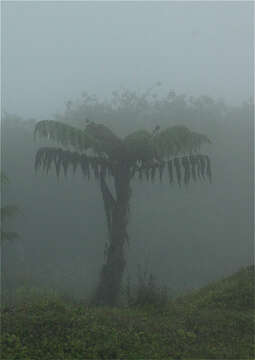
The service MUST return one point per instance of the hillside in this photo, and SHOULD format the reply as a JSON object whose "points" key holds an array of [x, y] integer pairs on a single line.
{"points": [[215, 322]]}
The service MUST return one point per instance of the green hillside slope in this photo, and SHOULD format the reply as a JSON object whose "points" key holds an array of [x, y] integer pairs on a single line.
{"points": [[215, 322]]}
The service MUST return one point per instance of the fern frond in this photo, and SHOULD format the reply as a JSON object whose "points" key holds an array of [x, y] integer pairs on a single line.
{"points": [[186, 167], [177, 140], [48, 157], [96, 137], [161, 168], [64, 134], [208, 168], [170, 171], [199, 139], [180, 168]]}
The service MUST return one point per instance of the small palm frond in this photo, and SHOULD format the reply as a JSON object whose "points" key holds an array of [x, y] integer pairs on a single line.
{"points": [[47, 157], [8, 211]]}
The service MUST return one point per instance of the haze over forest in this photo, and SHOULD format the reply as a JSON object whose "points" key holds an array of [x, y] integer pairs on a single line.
{"points": [[52, 51], [129, 66]]}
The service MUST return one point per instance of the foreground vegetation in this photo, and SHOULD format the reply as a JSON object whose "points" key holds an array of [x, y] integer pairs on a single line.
{"points": [[215, 322]]}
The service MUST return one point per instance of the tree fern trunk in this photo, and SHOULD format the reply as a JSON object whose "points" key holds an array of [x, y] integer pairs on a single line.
{"points": [[116, 209]]}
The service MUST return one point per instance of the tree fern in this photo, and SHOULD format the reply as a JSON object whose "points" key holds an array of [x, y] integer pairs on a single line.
{"points": [[144, 154]]}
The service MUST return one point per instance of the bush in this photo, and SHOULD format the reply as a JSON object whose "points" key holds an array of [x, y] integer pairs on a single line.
{"points": [[146, 292], [194, 326]]}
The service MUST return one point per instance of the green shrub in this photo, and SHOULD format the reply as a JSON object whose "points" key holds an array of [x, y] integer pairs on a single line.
{"points": [[146, 292], [197, 326]]}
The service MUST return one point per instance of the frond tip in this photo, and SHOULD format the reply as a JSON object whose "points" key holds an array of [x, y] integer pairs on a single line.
{"points": [[48, 157], [180, 169]]}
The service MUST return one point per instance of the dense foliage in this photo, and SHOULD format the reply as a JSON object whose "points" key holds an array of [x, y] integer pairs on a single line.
{"points": [[7, 212], [216, 322]]}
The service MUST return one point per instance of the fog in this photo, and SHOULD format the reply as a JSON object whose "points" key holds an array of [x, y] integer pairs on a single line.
{"points": [[130, 66], [54, 51]]}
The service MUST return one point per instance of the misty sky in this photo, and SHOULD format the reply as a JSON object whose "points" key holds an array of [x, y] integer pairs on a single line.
{"points": [[53, 51]]}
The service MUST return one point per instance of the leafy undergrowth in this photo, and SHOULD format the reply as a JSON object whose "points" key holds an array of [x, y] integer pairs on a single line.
{"points": [[215, 322]]}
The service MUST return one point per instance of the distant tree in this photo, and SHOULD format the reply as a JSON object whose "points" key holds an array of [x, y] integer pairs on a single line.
{"points": [[7, 212], [96, 149]]}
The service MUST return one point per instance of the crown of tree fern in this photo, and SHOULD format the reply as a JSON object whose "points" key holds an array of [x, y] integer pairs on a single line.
{"points": [[97, 149]]}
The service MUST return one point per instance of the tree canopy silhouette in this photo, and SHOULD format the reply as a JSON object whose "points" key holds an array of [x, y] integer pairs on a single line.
{"points": [[97, 150]]}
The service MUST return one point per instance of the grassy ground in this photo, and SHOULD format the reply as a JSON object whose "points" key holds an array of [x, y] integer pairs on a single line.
{"points": [[216, 322]]}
